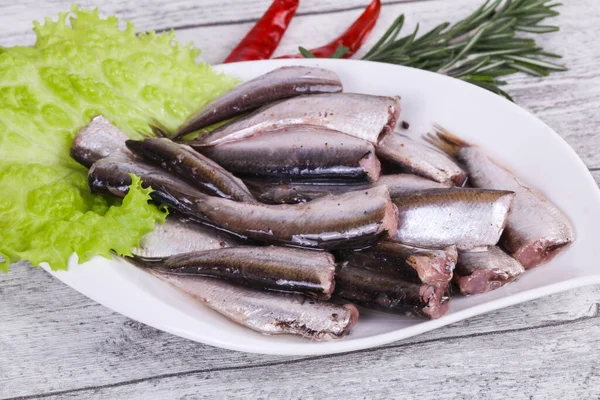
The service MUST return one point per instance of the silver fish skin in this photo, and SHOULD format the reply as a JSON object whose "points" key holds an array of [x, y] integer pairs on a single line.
{"points": [[333, 222], [179, 235], [267, 312], [360, 115], [420, 159], [282, 269], [111, 176], [438, 218], [400, 184], [344, 221], [200, 171], [299, 152], [281, 83], [480, 272], [536, 230], [382, 289], [275, 192], [271, 191], [96, 140]]}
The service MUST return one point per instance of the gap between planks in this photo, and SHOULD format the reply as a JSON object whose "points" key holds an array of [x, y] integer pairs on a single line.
{"points": [[594, 314], [298, 14]]}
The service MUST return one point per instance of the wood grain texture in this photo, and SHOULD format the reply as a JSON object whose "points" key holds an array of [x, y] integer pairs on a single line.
{"points": [[56, 340], [159, 15], [460, 368], [55, 343]]}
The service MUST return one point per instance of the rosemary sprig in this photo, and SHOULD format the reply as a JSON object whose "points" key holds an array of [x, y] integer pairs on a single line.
{"points": [[480, 48]]}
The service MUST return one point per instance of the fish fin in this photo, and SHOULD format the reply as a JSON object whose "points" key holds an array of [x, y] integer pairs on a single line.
{"points": [[449, 137], [439, 143], [445, 140]]}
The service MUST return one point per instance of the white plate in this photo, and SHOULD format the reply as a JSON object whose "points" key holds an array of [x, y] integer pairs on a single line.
{"points": [[510, 134]]}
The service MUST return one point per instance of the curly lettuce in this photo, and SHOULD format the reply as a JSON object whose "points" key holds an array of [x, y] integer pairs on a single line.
{"points": [[82, 65]]}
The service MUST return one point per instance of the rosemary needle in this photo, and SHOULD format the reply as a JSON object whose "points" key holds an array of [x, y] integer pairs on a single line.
{"points": [[479, 48]]}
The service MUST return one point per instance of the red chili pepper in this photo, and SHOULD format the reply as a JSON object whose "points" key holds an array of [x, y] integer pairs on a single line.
{"points": [[353, 38], [263, 38]]}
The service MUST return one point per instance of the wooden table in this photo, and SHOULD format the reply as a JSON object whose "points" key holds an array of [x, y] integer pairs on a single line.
{"points": [[55, 343]]}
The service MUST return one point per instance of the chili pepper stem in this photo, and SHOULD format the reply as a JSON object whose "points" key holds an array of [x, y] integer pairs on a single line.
{"points": [[352, 39]]}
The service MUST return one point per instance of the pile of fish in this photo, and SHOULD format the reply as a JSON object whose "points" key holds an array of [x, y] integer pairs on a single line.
{"points": [[284, 218]]}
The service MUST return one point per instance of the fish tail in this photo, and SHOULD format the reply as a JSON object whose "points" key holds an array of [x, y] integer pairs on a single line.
{"points": [[445, 140], [146, 262], [194, 143], [139, 261], [198, 137], [159, 129], [145, 135]]}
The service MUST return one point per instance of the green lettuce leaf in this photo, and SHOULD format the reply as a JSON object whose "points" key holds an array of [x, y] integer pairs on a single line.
{"points": [[80, 66]]}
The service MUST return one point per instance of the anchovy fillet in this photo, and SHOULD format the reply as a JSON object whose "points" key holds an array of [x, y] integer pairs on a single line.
{"points": [[360, 115], [181, 235], [96, 140], [400, 184], [437, 218], [480, 272], [274, 192], [300, 152], [273, 268], [269, 313], [382, 289], [420, 159], [415, 264], [278, 84], [200, 171], [111, 176], [536, 230], [344, 221]]}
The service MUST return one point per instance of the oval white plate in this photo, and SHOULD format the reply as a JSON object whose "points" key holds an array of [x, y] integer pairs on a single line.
{"points": [[511, 135]]}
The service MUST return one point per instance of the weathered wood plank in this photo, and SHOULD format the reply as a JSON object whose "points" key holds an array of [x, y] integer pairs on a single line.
{"points": [[469, 366], [55, 339], [155, 14]]}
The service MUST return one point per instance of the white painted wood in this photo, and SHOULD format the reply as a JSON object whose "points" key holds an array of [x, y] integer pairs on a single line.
{"points": [[469, 367], [156, 14], [54, 340]]}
